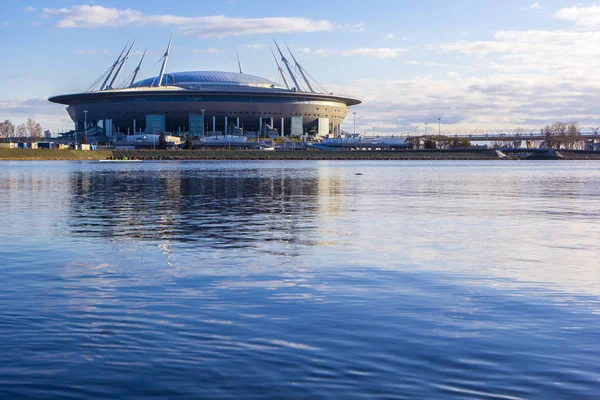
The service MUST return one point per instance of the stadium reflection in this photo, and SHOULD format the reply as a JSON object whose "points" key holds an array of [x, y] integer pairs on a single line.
{"points": [[217, 207]]}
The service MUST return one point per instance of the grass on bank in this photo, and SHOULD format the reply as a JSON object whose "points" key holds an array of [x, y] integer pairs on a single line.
{"points": [[53, 154]]}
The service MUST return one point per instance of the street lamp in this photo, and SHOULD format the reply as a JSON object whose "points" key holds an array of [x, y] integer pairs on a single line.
{"points": [[439, 127], [354, 123], [426, 128], [203, 122]]}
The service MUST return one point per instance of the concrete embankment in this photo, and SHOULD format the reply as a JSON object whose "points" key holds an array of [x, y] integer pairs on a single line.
{"points": [[45, 154]]}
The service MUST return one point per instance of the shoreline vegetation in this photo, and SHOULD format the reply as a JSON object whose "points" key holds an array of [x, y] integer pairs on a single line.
{"points": [[175, 155]]}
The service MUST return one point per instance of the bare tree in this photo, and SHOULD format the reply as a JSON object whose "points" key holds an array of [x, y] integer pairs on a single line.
{"points": [[574, 129], [7, 129], [21, 131], [505, 144], [34, 129], [561, 134], [571, 141], [519, 132]]}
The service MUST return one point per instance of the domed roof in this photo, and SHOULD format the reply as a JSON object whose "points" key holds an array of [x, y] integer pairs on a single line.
{"points": [[207, 78]]}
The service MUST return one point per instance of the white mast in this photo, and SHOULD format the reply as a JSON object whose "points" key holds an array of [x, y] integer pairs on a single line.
{"points": [[113, 68], [280, 71], [137, 70], [164, 65], [301, 69], [239, 63], [287, 65], [123, 61]]}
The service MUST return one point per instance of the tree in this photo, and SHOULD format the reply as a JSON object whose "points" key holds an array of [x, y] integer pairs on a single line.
{"points": [[561, 134], [573, 129], [7, 129], [33, 129], [21, 131], [460, 143], [162, 142], [430, 143], [573, 136], [188, 143], [519, 132], [450, 142], [414, 142]]}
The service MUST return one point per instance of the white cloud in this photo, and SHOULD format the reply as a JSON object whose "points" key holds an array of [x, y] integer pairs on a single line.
{"points": [[524, 78], [494, 102], [29, 9], [427, 63], [534, 6], [582, 16], [549, 52], [390, 36], [304, 50], [207, 51], [381, 52], [50, 115], [5, 23], [359, 27], [95, 16]]}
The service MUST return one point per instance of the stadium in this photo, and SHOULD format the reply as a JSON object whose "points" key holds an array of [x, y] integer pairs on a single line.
{"points": [[206, 103]]}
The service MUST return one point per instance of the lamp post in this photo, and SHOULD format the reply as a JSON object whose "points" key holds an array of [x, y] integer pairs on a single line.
{"points": [[439, 127], [354, 123], [425, 128], [202, 122]]}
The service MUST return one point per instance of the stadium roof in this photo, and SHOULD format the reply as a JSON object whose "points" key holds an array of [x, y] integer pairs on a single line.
{"points": [[207, 78]]}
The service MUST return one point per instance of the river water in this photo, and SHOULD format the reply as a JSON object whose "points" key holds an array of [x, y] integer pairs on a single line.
{"points": [[300, 280]]}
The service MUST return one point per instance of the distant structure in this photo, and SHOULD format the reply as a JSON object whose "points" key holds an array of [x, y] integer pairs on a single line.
{"points": [[206, 102]]}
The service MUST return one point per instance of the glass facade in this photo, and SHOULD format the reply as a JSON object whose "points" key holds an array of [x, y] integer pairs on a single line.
{"points": [[297, 124], [155, 124], [197, 125]]}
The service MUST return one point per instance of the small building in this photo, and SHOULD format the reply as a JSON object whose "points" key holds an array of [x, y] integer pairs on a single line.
{"points": [[45, 145]]}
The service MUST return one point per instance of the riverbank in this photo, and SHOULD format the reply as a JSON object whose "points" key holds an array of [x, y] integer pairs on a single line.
{"points": [[45, 154]]}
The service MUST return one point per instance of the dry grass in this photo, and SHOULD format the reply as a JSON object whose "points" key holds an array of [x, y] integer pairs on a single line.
{"points": [[45, 154]]}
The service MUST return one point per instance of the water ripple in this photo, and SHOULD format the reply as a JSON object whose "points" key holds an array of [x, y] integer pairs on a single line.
{"points": [[300, 280]]}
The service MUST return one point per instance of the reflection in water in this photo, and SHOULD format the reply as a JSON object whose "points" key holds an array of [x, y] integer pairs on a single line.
{"points": [[222, 208], [299, 280]]}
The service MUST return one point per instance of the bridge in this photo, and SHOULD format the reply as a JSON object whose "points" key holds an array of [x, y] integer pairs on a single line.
{"points": [[512, 137]]}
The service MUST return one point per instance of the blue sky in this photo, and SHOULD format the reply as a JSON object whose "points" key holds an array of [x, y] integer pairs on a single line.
{"points": [[475, 64]]}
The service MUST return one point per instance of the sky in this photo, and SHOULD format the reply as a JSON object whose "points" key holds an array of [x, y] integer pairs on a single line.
{"points": [[478, 65]]}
